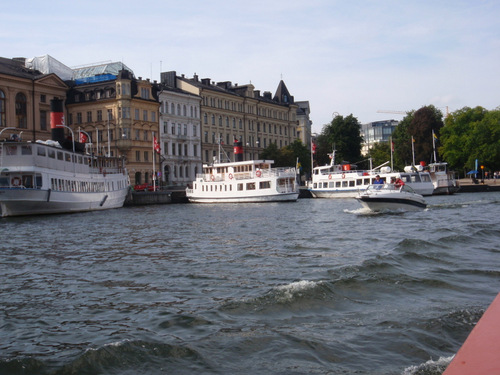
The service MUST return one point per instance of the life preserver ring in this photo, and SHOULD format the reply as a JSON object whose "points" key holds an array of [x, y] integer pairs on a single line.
{"points": [[16, 181], [329, 176], [258, 173], [212, 178], [230, 176], [343, 175]]}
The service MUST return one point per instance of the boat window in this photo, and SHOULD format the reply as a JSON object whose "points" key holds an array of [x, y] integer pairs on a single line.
{"points": [[331, 184], [4, 181], [60, 155], [337, 184], [28, 181], [264, 184], [359, 182], [67, 156], [26, 150], [426, 178], [344, 183], [351, 183], [250, 185], [315, 185], [366, 181], [41, 151], [80, 159], [239, 187], [11, 150], [415, 178], [52, 154]]}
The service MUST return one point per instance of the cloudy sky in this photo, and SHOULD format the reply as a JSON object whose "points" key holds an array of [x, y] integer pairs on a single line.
{"points": [[345, 57]]}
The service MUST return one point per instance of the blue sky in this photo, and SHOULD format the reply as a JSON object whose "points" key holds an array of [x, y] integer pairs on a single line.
{"points": [[352, 57]]}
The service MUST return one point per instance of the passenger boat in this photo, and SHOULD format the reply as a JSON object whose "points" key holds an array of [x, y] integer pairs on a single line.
{"points": [[243, 181], [390, 197], [346, 181], [45, 178], [444, 181]]}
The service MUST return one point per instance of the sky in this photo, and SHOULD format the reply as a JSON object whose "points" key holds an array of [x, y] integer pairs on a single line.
{"points": [[344, 57]]}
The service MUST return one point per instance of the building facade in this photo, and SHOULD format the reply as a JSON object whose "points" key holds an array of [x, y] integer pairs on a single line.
{"points": [[232, 112], [375, 132], [180, 132], [25, 96], [304, 128], [120, 113]]}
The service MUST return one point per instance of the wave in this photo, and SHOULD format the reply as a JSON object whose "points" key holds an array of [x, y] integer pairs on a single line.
{"points": [[123, 357], [430, 367]]}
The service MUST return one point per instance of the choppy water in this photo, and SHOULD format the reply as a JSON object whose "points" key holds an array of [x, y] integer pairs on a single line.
{"points": [[312, 287]]}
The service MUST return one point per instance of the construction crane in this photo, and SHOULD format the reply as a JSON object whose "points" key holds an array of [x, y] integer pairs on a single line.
{"points": [[394, 112]]}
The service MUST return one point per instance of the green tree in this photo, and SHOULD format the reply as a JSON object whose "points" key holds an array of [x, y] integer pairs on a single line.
{"points": [[470, 134], [425, 120], [343, 135], [402, 142], [380, 153]]}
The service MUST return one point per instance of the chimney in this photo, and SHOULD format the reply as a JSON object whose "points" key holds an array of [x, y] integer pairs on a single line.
{"points": [[238, 150], [57, 119]]}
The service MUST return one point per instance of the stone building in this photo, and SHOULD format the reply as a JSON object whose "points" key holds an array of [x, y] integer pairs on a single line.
{"points": [[304, 128], [232, 112], [25, 96], [180, 132], [120, 113]]}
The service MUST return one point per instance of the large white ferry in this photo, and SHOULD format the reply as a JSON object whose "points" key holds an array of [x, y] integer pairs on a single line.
{"points": [[38, 178], [344, 181], [46, 178], [243, 181]]}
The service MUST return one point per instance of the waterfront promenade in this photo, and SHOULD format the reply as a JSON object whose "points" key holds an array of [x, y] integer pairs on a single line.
{"points": [[467, 185]]}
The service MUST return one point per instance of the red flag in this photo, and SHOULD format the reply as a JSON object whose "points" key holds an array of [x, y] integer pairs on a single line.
{"points": [[83, 138], [313, 147], [156, 145], [392, 146]]}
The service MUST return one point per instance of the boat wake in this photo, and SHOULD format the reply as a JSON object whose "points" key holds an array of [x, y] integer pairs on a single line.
{"points": [[430, 367]]}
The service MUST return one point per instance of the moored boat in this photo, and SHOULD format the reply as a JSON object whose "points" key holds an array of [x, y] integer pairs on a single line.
{"points": [[346, 181], [45, 178], [243, 181], [390, 197]]}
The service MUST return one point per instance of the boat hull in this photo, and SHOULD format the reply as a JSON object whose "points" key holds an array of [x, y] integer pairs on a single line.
{"points": [[19, 202], [291, 197], [391, 204]]}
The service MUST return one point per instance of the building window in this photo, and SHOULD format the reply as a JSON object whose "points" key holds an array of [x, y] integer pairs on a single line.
{"points": [[2, 108], [144, 93], [194, 131], [99, 115], [110, 114], [136, 114], [137, 156], [185, 129], [195, 150], [145, 115], [146, 155], [184, 111], [43, 120], [145, 135], [78, 117], [21, 113], [205, 118], [153, 116], [89, 116], [173, 129]]}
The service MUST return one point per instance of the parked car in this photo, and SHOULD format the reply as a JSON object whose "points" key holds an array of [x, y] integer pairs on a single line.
{"points": [[146, 187]]}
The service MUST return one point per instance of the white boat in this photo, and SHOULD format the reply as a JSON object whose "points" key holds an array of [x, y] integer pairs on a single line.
{"points": [[243, 181], [444, 181], [389, 197], [43, 178], [345, 181]]}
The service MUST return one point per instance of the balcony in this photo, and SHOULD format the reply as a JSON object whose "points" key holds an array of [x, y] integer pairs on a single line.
{"points": [[124, 144]]}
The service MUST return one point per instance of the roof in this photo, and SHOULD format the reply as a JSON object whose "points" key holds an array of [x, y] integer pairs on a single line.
{"points": [[101, 69], [15, 67]]}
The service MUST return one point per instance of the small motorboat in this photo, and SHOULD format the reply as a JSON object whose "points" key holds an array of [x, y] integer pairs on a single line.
{"points": [[390, 197]]}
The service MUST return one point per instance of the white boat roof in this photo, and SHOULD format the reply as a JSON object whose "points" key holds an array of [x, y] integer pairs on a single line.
{"points": [[237, 163]]}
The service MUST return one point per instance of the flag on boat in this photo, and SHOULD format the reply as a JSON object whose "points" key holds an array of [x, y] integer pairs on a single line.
{"points": [[313, 147], [83, 138], [156, 145]]}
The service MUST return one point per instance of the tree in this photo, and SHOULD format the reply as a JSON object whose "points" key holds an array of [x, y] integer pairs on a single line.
{"points": [[343, 135], [470, 134], [402, 142], [380, 153], [425, 120]]}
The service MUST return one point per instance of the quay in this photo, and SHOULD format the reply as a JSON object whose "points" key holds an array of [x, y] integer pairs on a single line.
{"points": [[467, 185]]}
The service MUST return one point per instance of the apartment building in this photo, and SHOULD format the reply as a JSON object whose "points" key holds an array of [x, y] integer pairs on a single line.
{"points": [[120, 113], [180, 132], [232, 112]]}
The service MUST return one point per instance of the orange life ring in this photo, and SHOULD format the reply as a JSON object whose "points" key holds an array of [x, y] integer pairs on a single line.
{"points": [[16, 181], [212, 177], [329, 176], [258, 173], [343, 175], [230, 176]]}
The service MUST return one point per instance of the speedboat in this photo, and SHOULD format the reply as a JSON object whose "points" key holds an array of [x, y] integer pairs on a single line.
{"points": [[390, 197]]}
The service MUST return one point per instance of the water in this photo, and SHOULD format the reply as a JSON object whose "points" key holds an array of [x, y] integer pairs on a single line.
{"points": [[312, 287]]}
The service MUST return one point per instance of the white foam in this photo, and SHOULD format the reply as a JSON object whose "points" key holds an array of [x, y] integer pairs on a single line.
{"points": [[430, 364]]}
